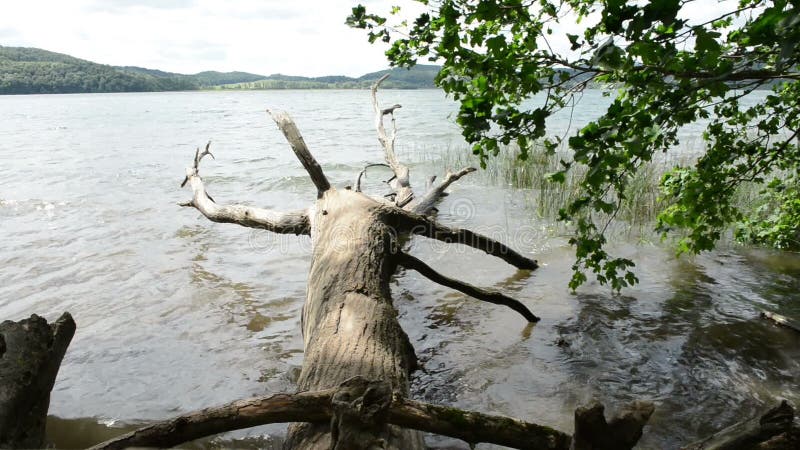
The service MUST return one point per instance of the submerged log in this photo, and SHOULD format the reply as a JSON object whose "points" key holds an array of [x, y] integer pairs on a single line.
{"points": [[31, 351], [773, 430], [781, 320]]}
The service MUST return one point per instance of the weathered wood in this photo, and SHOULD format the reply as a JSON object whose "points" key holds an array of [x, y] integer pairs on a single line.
{"points": [[776, 425], [495, 297], [292, 222], [781, 320], [592, 432], [350, 327], [356, 410], [400, 183], [295, 139], [427, 202], [31, 351]]}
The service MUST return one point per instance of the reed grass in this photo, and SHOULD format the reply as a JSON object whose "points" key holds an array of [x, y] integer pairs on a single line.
{"points": [[638, 211]]}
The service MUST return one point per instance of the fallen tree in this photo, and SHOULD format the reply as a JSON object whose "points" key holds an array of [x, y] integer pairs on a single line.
{"points": [[349, 324]]}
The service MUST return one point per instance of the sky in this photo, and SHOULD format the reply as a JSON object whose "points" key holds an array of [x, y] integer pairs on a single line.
{"points": [[293, 37]]}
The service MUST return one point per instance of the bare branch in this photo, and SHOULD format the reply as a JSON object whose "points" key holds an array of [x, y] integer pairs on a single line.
{"points": [[289, 129], [491, 296], [473, 427], [426, 204], [198, 156], [400, 183], [364, 174], [292, 222], [414, 223]]}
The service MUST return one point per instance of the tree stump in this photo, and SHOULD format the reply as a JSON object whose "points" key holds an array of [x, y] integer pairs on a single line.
{"points": [[31, 351]]}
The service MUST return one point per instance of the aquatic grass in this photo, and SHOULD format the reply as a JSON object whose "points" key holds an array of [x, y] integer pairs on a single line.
{"points": [[638, 212]]}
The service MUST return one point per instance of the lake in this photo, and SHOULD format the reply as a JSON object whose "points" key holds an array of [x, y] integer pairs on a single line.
{"points": [[176, 313]]}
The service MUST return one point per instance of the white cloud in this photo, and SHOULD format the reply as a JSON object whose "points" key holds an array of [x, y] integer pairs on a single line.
{"points": [[187, 36]]}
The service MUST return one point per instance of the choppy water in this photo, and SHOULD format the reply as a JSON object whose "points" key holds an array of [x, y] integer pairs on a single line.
{"points": [[176, 313]]}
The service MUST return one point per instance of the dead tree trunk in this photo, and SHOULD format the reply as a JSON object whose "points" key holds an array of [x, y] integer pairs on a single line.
{"points": [[350, 326], [31, 351]]}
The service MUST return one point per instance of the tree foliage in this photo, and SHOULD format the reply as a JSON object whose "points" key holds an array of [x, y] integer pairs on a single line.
{"points": [[665, 68]]}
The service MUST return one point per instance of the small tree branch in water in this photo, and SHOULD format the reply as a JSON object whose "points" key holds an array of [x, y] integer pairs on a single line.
{"points": [[417, 224], [781, 320], [498, 298]]}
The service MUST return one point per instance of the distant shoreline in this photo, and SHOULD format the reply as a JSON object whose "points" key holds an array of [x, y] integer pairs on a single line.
{"points": [[33, 71], [221, 91]]}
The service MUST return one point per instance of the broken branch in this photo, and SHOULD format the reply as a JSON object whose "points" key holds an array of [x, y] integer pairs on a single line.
{"points": [[292, 134], [428, 201], [410, 262]]}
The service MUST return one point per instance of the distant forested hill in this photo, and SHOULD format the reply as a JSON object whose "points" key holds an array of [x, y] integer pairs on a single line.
{"points": [[418, 77], [35, 71]]}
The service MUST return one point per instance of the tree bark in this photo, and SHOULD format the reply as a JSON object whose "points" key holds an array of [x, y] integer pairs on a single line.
{"points": [[31, 351], [350, 327]]}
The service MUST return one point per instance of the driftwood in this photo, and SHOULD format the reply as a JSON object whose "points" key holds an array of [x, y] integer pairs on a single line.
{"points": [[781, 320], [773, 430], [31, 351], [349, 324]]}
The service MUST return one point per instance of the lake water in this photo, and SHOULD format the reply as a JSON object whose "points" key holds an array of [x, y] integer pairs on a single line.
{"points": [[176, 313]]}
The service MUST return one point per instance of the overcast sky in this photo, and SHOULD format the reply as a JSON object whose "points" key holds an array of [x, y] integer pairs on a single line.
{"points": [[293, 37], [298, 37]]}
